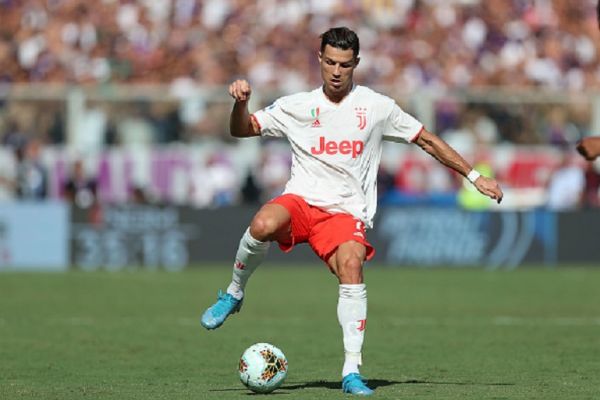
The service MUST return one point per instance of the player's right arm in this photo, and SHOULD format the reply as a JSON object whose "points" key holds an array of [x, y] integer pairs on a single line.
{"points": [[241, 123]]}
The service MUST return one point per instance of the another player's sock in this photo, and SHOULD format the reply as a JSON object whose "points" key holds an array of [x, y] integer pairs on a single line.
{"points": [[352, 316], [249, 255]]}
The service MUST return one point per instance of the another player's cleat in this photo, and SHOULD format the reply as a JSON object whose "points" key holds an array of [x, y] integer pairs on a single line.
{"points": [[215, 315], [355, 384]]}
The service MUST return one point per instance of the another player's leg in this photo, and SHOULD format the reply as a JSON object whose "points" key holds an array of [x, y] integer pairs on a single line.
{"points": [[267, 224], [346, 263]]}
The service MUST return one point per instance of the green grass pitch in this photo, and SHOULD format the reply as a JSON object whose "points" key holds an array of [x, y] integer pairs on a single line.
{"points": [[532, 333]]}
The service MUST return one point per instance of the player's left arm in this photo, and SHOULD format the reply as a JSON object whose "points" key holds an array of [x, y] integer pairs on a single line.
{"points": [[445, 154], [589, 147]]}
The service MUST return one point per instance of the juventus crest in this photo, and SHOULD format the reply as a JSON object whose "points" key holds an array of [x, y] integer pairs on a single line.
{"points": [[361, 114]]}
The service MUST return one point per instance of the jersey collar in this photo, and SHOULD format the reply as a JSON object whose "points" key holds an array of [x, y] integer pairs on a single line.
{"points": [[330, 103]]}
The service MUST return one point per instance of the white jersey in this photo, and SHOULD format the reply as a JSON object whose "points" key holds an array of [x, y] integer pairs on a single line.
{"points": [[336, 148]]}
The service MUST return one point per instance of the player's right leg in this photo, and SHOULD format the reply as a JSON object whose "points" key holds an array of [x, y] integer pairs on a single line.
{"points": [[346, 263], [272, 222]]}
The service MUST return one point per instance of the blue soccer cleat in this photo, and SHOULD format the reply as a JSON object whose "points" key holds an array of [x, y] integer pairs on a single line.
{"points": [[215, 315], [355, 384]]}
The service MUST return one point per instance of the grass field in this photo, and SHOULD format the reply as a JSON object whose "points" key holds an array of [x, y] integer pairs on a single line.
{"points": [[432, 334]]}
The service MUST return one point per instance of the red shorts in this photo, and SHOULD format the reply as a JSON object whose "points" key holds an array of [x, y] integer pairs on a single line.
{"points": [[323, 231]]}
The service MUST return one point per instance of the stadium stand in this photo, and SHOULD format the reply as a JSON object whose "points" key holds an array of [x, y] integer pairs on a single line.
{"points": [[151, 76]]}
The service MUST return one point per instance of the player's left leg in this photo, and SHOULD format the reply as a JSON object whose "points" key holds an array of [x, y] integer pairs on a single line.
{"points": [[346, 263]]}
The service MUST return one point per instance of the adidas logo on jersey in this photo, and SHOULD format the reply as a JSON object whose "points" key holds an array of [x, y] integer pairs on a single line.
{"points": [[314, 112]]}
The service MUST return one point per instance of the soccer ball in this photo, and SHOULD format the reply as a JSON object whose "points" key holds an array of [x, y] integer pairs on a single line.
{"points": [[263, 368]]}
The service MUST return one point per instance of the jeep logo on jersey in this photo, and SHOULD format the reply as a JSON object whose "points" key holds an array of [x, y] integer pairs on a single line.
{"points": [[354, 147], [361, 114]]}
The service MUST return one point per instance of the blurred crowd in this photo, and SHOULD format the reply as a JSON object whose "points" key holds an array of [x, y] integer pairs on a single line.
{"points": [[410, 44], [556, 179], [189, 47]]}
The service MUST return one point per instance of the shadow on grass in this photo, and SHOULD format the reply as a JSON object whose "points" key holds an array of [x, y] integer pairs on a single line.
{"points": [[376, 383], [372, 383]]}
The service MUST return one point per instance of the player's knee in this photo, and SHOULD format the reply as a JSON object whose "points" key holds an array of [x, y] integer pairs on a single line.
{"points": [[263, 227], [352, 264], [350, 270]]}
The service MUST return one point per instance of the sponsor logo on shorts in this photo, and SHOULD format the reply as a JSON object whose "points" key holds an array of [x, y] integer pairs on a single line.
{"points": [[359, 229]]}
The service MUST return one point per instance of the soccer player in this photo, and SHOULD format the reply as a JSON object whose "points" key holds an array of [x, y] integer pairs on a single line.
{"points": [[336, 134], [589, 147]]}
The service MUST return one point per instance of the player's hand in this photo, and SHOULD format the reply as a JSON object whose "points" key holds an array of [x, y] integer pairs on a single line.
{"points": [[489, 187], [589, 148], [240, 90]]}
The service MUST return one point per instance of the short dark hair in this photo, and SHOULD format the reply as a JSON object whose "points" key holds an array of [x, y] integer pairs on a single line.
{"points": [[340, 38]]}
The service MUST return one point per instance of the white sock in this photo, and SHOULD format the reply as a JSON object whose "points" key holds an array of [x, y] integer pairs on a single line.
{"points": [[249, 255], [352, 316]]}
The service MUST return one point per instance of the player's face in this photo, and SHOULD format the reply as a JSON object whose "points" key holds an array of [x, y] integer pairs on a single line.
{"points": [[337, 67]]}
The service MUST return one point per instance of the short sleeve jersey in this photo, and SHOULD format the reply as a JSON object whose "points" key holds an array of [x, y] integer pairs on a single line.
{"points": [[336, 147]]}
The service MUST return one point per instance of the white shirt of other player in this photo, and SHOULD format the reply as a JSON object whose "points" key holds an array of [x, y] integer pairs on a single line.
{"points": [[336, 148]]}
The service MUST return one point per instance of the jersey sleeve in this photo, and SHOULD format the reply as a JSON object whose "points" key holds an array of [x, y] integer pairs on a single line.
{"points": [[401, 126], [271, 120]]}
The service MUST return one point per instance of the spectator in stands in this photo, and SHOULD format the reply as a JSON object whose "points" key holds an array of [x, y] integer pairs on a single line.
{"points": [[31, 176], [273, 171], [79, 188], [223, 180], [385, 183], [136, 127], [566, 185], [7, 175], [214, 182], [559, 130], [139, 195], [14, 138], [250, 191]]}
